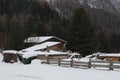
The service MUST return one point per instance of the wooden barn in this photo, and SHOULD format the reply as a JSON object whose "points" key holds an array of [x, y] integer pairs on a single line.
{"points": [[46, 40], [9, 56], [45, 47], [110, 57]]}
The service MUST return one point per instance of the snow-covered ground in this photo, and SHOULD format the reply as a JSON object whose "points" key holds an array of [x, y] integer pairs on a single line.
{"points": [[37, 71]]}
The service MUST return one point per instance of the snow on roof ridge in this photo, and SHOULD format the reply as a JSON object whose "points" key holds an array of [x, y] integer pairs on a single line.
{"points": [[60, 39], [111, 54], [40, 36], [40, 39], [10, 51]]}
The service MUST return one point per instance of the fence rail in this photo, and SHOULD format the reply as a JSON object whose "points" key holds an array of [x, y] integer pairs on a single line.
{"points": [[102, 64]]}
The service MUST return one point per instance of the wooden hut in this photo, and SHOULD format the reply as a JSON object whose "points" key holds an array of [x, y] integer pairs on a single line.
{"points": [[43, 46], [9, 56]]}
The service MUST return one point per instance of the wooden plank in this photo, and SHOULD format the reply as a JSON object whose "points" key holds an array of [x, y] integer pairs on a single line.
{"points": [[116, 66], [65, 61], [59, 61], [85, 65], [110, 65], [65, 64], [43, 62], [71, 63], [80, 62], [116, 63], [98, 65], [51, 59], [53, 62], [99, 61]]}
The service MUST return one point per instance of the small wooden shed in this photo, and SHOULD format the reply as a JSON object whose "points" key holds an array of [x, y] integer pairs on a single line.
{"points": [[110, 57], [10, 56]]}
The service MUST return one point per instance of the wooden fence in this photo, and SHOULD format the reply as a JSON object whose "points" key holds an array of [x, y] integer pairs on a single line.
{"points": [[101, 64]]}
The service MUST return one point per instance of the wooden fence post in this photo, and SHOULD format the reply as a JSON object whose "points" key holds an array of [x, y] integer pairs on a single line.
{"points": [[89, 63], [110, 65], [71, 63], [48, 62], [59, 61]]}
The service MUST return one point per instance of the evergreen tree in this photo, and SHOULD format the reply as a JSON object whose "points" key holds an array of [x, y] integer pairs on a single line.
{"points": [[35, 18], [82, 35], [114, 42], [15, 37], [104, 42], [1, 27], [40, 29], [30, 27]]}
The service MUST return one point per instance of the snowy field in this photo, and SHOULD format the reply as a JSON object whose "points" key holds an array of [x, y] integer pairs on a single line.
{"points": [[37, 71]]}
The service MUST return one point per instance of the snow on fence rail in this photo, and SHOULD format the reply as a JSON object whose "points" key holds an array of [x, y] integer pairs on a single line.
{"points": [[101, 64]]}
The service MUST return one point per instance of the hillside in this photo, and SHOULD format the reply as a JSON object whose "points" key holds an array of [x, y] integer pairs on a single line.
{"points": [[29, 17], [20, 19], [103, 13], [107, 5]]}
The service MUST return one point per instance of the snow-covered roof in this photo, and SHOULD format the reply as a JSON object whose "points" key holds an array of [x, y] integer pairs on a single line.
{"points": [[41, 46], [110, 55], [40, 39], [35, 53], [10, 51]]}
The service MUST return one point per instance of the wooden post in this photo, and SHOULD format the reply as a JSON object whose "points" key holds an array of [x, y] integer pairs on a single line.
{"points": [[110, 65], [71, 63], [89, 63], [48, 62], [59, 61]]}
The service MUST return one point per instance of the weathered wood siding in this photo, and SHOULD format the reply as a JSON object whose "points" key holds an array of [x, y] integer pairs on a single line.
{"points": [[58, 47], [52, 57], [110, 58]]}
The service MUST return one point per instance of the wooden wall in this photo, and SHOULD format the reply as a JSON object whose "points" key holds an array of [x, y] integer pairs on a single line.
{"points": [[58, 47], [112, 59], [109, 58], [52, 57], [7, 57]]}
